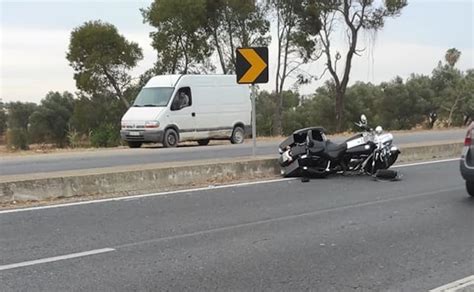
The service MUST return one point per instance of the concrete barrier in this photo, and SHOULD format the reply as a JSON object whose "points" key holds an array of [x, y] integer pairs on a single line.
{"points": [[154, 178], [417, 152], [124, 182]]}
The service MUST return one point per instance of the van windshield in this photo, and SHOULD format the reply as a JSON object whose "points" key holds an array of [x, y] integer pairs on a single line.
{"points": [[153, 96]]}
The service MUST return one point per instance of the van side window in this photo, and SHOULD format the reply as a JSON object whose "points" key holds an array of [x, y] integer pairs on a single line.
{"points": [[182, 99]]}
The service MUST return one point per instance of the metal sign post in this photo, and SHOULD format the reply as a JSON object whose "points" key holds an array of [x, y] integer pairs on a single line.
{"points": [[251, 68], [254, 120]]}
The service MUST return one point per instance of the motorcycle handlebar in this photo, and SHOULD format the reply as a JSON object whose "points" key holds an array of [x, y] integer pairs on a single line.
{"points": [[363, 127]]}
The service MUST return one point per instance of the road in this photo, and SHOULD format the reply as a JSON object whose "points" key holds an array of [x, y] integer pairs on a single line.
{"points": [[123, 157], [336, 234]]}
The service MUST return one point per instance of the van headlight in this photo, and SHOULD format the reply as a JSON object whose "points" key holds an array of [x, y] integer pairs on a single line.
{"points": [[125, 125], [152, 124]]}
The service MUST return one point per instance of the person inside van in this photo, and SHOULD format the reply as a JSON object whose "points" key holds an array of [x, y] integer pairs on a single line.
{"points": [[183, 99]]}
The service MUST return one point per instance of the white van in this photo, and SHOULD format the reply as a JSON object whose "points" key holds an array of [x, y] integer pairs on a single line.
{"points": [[176, 108]]}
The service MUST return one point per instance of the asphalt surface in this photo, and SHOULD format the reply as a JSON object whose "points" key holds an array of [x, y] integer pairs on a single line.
{"points": [[336, 234], [123, 157]]}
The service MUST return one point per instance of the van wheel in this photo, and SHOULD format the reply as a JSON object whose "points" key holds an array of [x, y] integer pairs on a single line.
{"points": [[237, 135], [170, 139], [133, 144], [203, 142]]}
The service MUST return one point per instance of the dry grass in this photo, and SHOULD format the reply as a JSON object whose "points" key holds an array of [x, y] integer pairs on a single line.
{"points": [[38, 149]]}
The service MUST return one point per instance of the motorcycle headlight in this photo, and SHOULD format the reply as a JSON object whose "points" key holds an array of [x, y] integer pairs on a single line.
{"points": [[378, 130], [394, 149]]}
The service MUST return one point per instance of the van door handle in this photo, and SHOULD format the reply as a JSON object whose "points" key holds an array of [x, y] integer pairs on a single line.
{"points": [[193, 114]]}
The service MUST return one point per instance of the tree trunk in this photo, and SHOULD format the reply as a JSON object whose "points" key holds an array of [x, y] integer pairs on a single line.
{"points": [[186, 59], [279, 93], [452, 110], [219, 52], [116, 87], [339, 110], [230, 31], [175, 55], [277, 125]]}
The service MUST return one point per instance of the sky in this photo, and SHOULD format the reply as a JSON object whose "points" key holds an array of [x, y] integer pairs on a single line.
{"points": [[34, 38]]}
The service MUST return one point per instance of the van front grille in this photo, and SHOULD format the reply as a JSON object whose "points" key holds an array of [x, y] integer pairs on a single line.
{"points": [[134, 127], [134, 138]]}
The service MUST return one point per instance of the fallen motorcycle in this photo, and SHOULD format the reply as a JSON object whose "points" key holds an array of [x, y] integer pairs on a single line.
{"points": [[308, 153]]}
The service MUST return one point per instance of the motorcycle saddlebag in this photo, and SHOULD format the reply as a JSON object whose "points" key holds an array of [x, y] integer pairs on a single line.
{"points": [[288, 142], [291, 170], [299, 136]]}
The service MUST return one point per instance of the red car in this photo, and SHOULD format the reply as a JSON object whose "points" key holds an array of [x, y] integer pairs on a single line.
{"points": [[467, 161]]}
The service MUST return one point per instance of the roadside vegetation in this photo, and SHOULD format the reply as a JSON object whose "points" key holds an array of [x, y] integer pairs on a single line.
{"points": [[201, 38]]}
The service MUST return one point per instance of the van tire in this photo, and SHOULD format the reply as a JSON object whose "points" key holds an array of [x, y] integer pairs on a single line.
{"points": [[170, 139], [238, 135], [203, 142], [134, 144], [470, 188]]}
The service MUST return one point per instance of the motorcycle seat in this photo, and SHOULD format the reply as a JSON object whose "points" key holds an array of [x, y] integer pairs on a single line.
{"points": [[335, 151], [316, 147]]}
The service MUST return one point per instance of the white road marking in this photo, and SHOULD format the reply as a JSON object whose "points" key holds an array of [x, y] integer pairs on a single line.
{"points": [[426, 162], [459, 285], [55, 259], [126, 198]]}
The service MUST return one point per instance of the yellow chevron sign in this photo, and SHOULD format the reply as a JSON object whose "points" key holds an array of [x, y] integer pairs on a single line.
{"points": [[252, 65]]}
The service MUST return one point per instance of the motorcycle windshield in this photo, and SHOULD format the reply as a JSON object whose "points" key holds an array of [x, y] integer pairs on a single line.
{"points": [[354, 137]]}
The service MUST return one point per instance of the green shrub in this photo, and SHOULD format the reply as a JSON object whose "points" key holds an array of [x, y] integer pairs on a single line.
{"points": [[106, 135], [17, 139], [73, 138]]}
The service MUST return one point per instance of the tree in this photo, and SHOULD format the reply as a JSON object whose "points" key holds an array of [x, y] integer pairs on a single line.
{"points": [[468, 105], [102, 58], [3, 118], [235, 23], [91, 112], [452, 56], [451, 87], [265, 103], [18, 123], [318, 109], [50, 121], [361, 99], [354, 16], [19, 114], [292, 120], [186, 38], [181, 36], [419, 90], [98, 118], [297, 22], [402, 105]]}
